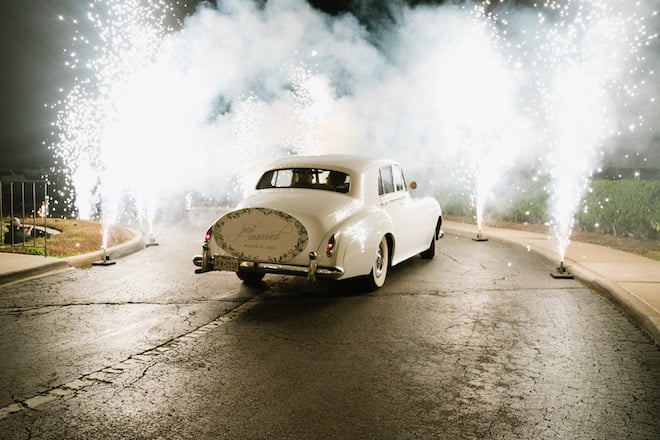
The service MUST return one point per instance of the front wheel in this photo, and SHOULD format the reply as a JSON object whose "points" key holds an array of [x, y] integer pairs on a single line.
{"points": [[378, 274], [430, 252]]}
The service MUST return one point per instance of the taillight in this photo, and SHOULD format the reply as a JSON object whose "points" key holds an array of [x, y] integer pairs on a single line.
{"points": [[208, 235], [330, 247]]}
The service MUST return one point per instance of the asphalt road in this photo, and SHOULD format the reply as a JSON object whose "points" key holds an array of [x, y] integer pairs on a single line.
{"points": [[478, 343]]}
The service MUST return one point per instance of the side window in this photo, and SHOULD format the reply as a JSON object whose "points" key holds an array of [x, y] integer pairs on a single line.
{"points": [[385, 180], [399, 181]]}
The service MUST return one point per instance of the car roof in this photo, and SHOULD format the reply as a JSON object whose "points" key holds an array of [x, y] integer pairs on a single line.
{"points": [[340, 162]]}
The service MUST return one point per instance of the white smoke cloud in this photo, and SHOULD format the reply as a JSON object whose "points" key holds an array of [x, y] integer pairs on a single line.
{"points": [[452, 93]]}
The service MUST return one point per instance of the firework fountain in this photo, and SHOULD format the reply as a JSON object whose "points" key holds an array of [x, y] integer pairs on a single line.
{"points": [[474, 91], [585, 66]]}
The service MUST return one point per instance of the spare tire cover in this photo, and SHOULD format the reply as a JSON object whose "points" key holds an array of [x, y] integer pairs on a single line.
{"points": [[260, 234]]}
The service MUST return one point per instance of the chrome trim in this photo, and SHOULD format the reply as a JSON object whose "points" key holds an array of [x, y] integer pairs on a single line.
{"points": [[311, 270], [329, 273], [204, 261], [320, 272]]}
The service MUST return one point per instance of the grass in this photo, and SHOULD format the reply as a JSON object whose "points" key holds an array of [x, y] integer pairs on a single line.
{"points": [[655, 255], [76, 237]]}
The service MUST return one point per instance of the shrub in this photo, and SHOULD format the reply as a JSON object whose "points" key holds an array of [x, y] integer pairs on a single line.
{"points": [[622, 208], [456, 202]]}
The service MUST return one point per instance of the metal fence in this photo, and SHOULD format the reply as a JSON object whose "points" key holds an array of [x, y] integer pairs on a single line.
{"points": [[23, 213]]}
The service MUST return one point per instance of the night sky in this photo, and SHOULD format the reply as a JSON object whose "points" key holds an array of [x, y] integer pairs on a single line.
{"points": [[32, 43], [33, 66], [33, 40]]}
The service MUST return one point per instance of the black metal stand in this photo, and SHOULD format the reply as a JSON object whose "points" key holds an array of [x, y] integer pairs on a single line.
{"points": [[104, 261], [479, 237], [151, 242], [561, 272]]}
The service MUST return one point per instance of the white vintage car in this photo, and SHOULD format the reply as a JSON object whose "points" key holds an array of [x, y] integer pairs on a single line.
{"points": [[329, 217]]}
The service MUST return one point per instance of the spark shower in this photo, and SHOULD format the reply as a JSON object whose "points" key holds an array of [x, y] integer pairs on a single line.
{"points": [[463, 94]]}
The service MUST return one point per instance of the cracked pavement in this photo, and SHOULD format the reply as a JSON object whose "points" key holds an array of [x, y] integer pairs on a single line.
{"points": [[478, 343]]}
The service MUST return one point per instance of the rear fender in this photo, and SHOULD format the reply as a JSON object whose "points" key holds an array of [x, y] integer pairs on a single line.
{"points": [[357, 239]]}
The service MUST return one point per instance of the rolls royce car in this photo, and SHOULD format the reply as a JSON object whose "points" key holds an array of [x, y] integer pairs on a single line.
{"points": [[324, 217]]}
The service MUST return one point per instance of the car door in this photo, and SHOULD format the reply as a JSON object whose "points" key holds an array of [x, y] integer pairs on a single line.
{"points": [[395, 200]]}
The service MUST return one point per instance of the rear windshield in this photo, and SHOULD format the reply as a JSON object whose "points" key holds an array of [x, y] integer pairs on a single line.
{"points": [[312, 178]]}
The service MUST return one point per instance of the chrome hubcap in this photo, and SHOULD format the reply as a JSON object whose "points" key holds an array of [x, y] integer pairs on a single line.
{"points": [[379, 261]]}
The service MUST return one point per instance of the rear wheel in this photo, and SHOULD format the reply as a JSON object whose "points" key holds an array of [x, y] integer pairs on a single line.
{"points": [[250, 277], [378, 274], [207, 264]]}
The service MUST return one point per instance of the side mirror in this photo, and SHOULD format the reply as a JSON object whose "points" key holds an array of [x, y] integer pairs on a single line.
{"points": [[413, 185]]}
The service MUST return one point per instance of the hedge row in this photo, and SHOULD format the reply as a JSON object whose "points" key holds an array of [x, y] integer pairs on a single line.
{"points": [[618, 207], [622, 208]]}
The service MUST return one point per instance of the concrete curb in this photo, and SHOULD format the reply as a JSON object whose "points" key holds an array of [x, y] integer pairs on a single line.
{"points": [[638, 312], [134, 245], [53, 264], [550, 256]]}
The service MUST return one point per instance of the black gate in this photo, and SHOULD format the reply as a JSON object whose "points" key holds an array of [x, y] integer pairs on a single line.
{"points": [[23, 214]]}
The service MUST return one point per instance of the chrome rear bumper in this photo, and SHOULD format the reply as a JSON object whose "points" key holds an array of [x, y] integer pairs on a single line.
{"points": [[311, 271]]}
